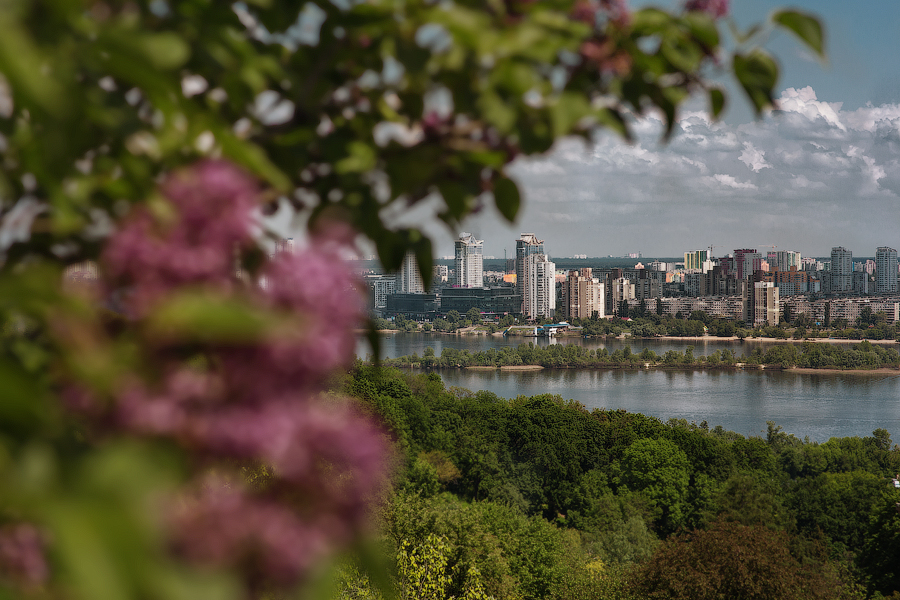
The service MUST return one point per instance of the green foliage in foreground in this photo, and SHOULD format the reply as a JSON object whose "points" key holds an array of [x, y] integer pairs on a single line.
{"points": [[864, 355], [537, 497]]}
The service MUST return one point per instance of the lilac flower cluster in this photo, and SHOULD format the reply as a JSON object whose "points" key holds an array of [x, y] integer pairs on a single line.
{"points": [[152, 254], [22, 555], [715, 8], [257, 402]]}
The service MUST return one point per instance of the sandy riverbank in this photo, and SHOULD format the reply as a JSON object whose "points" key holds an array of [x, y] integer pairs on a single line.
{"points": [[507, 368], [881, 372], [713, 338]]}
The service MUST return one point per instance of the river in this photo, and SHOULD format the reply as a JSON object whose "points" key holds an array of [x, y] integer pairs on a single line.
{"points": [[817, 405]]}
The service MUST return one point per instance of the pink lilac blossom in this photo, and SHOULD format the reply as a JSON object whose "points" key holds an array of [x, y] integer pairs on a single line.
{"points": [[256, 402], [587, 10], [262, 537], [715, 8], [314, 283], [212, 202], [22, 557]]}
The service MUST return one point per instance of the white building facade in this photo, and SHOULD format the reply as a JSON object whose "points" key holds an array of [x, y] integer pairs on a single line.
{"points": [[409, 280], [885, 270], [539, 287], [469, 262]]}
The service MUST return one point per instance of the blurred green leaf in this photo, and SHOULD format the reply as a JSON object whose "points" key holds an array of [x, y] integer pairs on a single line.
{"points": [[361, 158], [24, 408], [649, 21], [757, 74], [567, 110], [804, 26], [165, 51], [716, 102], [205, 317], [507, 199], [28, 72], [424, 257], [703, 28]]}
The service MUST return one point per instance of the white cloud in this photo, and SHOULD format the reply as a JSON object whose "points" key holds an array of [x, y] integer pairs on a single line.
{"points": [[804, 101], [729, 181], [753, 158], [732, 184]]}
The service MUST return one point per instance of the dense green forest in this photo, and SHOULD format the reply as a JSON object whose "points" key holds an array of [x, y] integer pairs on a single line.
{"points": [[863, 355], [537, 497]]}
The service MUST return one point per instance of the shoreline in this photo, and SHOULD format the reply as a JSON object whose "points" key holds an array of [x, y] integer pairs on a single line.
{"points": [[882, 371], [768, 340], [676, 338]]}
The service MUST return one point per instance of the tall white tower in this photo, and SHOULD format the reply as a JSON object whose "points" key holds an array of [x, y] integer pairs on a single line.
{"points": [[410, 279], [885, 270], [539, 287], [469, 262], [841, 270]]}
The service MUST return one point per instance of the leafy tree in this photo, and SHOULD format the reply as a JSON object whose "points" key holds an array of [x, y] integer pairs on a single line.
{"points": [[730, 560], [660, 470], [474, 316]]}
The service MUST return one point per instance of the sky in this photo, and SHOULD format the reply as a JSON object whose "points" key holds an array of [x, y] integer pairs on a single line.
{"points": [[822, 171]]}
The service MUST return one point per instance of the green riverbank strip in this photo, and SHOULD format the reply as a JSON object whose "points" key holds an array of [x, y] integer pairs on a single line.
{"points": [[861, 357]]}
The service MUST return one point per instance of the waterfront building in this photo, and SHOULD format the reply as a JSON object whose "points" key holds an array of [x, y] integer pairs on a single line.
{"points": [[841, 270], [843, 308], [380, 287], [863, 284], [726, 307], [885, 270], [694, 259], [746, 262], [621, 288], [790, 282], [761, 303], [418, 307], [441, 273], [583, 295], [498, 299], [469, 262], [527, 245], [783, 260], [539, 287], [410, 279]]}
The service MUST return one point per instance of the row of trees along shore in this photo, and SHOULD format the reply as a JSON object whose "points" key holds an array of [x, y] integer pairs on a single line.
{"points": [[872, 326], [537, 497], [863, 355]]}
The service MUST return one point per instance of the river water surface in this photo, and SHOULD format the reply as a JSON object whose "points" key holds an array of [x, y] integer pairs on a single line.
{"points": [[817, 405]]}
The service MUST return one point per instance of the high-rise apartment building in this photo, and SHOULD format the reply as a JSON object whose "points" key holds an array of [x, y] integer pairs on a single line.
{"points": [[469, 262], [746, 261], [885, 270], [410, 280], [841, 270], [694, 259], [583, 295], [380, 287], [539, 286], [526, 245], [761, 303], [783, 260]]}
